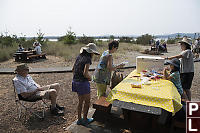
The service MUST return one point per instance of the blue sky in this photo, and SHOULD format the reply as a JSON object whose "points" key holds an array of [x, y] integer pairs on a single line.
{"points": [[99, 17]]}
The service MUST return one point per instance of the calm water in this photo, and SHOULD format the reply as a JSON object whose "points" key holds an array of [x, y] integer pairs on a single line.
{"points": [[55, 40]]}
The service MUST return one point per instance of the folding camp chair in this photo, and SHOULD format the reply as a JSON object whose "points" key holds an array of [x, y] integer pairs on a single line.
{"points": [[27, 105]]}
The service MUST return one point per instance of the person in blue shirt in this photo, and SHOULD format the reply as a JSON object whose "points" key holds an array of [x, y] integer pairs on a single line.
{"points": [[102, 74], [174, 75], [20, 48]]}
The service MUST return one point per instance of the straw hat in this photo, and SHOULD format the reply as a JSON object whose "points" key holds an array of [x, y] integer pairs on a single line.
{"points": [[22, 67], [90, 48], [186, 41]]}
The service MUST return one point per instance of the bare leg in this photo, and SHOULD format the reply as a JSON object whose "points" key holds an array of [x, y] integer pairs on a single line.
{"points": [[80, 104], [52, 97], [86, 106], [184, 96], [55, 86]]}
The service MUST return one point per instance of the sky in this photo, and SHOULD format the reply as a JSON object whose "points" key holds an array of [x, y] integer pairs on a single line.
{"points": [[99, 17]]}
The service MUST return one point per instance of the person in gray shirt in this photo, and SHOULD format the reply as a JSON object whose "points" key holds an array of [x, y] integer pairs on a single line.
{"points": [[186, 66]]}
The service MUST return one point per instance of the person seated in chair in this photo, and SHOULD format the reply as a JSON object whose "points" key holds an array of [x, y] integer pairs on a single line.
{"points": [[28, 90]]}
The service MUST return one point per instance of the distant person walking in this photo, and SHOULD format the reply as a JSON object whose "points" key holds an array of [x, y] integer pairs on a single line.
{"points": [[187, 66], [81, 78], [102, 74]]}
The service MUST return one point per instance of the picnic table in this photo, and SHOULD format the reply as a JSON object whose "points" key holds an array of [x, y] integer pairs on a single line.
{"points": [[22, 55], [159, 98], [27, 55]]}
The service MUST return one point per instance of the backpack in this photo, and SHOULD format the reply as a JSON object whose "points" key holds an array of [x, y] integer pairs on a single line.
{"points": [[117, 77]]}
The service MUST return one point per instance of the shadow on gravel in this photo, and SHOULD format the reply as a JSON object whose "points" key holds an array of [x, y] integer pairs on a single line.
{"points": [[33, 123]]}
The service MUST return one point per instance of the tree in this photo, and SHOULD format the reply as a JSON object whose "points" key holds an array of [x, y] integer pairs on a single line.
{"points": [[171, 41], [40, 37], [111, 37], [69, 38], [144, 39], [7, 41], [125, 39], [178, 36]]}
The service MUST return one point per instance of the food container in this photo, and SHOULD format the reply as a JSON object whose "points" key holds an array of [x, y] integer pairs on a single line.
{"points": [[149, 63], [136, 85]]}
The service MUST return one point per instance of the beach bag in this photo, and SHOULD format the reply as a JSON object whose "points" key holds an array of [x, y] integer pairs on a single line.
{"points": [[117, 77], [102, 76]]}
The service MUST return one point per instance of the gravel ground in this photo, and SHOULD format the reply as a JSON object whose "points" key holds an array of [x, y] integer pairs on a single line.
{"points": [[8, 116]]}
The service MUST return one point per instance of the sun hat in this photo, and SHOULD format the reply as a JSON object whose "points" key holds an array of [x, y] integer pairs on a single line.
{"points": [[90, 48], [186, 41], [22, 67], [175, 62]]}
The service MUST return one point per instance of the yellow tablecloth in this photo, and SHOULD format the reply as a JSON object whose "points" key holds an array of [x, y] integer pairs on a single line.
{"points": [[161, 93]]}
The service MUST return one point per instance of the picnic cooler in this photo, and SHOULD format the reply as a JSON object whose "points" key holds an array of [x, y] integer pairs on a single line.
{"points": [[149, 63]]}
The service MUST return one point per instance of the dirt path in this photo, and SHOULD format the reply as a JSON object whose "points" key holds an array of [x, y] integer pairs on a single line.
{"points": [[8, 121]]}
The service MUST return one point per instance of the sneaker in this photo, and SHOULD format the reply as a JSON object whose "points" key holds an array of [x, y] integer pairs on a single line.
{"points": [[60, 107], [79, 122], [88, 121], [56, 111]]}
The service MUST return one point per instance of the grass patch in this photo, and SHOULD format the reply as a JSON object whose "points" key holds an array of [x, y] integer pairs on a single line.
{"points": [[128, 47], [124, 48], [7, 53], [69, 52]]}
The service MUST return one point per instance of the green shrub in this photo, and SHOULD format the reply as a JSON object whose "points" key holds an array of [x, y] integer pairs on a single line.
{"points": [[171, 41], [98, 42], [144, 39], [6, 53], [69, 38], [111, 38], [85, 39], [125, 39], [6, 41], [27, 43], [40, 37]]}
